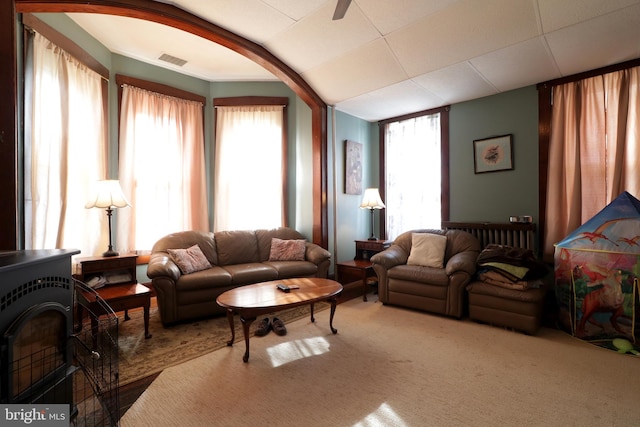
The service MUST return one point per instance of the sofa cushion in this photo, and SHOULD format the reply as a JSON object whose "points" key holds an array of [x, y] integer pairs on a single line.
{"points": [[242, 274], [419, 274], [236, 247], [211, 278], [287, 250], [427, 250], [290, 269], [189, 260]]}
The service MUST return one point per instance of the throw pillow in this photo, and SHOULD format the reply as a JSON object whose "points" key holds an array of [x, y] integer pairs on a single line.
{"points": [[189, 260], [427, 250], [287, 250]]}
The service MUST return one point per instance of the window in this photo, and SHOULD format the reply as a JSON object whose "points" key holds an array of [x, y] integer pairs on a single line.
{"points": [[250, 163], [593, 152], [162, 164], [415, 171], [65, 149]]}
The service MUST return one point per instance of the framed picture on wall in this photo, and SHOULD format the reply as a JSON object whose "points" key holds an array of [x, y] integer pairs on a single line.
{"points": [[352, 167], [493, 154]]}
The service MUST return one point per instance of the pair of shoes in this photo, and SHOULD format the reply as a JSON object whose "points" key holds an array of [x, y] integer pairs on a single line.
{"points": [[263, 327], [278, 327]]}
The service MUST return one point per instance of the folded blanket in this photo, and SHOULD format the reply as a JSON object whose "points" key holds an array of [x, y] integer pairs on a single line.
{"points": [[512, 256], [494, 278], [512, 270]]}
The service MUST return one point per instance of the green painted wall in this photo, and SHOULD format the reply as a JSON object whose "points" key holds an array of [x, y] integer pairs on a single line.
{"points": [[495, 196], [69, 28], [350, 222]]}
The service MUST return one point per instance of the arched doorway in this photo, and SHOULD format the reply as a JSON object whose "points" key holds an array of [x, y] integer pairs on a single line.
{"points": [[174, 17]]}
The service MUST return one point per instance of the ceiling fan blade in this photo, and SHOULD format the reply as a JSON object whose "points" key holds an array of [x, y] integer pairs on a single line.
{"points": [[341, 9]]}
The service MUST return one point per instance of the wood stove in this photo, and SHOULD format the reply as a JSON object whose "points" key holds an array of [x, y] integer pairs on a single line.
{"points": [[36, 326]]}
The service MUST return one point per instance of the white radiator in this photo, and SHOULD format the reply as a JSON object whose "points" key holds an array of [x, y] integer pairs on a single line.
{"points": [[510, 234]]}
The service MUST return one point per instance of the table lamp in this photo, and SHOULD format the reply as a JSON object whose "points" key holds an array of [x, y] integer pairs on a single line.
{"points": [[108, 194], [371, 201]]}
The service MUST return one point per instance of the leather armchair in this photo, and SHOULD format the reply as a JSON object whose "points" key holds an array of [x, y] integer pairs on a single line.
{"points": [[437, 290]]}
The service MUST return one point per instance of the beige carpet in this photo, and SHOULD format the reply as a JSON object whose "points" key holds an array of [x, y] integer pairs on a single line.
{"points": [[390, 366], [140, 357]]}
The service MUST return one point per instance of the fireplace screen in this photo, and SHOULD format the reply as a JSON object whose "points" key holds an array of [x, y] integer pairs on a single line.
{"points": [[38, 354], [95, 352]]}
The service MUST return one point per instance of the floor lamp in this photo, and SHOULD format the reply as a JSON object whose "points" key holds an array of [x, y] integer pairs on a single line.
{"points": [[371, 201], [108, 194]]}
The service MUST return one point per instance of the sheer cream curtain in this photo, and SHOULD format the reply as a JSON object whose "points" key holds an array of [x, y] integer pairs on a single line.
{"points": [[66, 150], [594, 152], [162, 168], [248, 182], [413, 174]]}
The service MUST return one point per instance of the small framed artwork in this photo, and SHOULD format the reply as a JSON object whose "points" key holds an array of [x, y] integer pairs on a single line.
{"points": [[352, 167], [493, 154]]}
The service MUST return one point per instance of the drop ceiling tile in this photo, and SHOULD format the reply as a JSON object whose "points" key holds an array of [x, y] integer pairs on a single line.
{"points": [[296, 9], [317, 38], [367, 68], [457, 83], [252, 19], [388, 16], [518, 65], [556, 14], [401, 98], [607, 40], [465, 30]]}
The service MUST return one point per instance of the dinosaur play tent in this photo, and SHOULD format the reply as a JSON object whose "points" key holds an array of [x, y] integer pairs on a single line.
{"points": [[596, 273]]}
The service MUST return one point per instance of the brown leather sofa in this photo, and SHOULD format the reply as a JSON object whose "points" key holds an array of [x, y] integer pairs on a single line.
{"points": [[237, 258], [437, 290]]}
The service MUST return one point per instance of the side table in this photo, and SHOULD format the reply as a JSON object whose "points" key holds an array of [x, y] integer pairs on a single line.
{"points": [[118, 286], [365, 249], [119, 298], [359, 269]]}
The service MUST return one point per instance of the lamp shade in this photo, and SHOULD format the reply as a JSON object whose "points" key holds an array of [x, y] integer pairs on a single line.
{"points": [[371, 199], [108, 193]]}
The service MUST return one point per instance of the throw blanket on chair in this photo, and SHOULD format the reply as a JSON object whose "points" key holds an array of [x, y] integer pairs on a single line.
{"points": [[510, 267]]}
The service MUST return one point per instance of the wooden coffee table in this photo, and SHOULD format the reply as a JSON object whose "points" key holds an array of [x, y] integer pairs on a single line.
{"points": [[251, 301]]}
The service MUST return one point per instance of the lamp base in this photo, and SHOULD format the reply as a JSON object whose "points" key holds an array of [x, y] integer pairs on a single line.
{"points": [[373, 238], [110, 253]]}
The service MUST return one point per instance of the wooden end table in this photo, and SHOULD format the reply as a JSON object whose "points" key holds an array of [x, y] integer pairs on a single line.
{"points": [[121, 291], [251, 301], [358, 269], [120, 298]]}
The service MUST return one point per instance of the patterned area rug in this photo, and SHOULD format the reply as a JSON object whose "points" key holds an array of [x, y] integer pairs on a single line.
{"points": [[140, 357]]}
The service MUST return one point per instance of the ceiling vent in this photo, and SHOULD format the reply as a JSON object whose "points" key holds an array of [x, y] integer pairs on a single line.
{"points": [[172, 60]]}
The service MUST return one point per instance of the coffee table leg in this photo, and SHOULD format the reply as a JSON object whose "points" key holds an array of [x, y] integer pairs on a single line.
{"points": [[246, 324], [312, 318], [334, 301], [232, 326]]}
